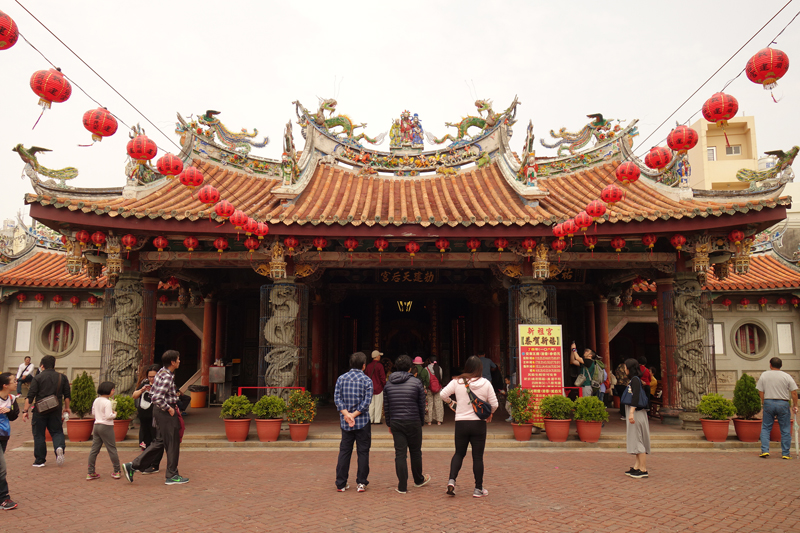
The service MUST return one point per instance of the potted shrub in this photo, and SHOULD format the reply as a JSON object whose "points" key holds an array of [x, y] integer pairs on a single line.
{"points": [[716, 411], [237, 425], [300, 411], [590, 413], [521, 412], [126, 410], [557, 413], [83, 394], [748, 404], [269, 416]]}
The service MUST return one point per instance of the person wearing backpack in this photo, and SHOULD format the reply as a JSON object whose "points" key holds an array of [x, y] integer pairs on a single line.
{"points": [[436, 406], [475, 403], [635, 400]]}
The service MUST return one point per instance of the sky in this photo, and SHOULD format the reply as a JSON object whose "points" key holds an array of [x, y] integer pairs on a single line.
{"points": [[564, 60]]}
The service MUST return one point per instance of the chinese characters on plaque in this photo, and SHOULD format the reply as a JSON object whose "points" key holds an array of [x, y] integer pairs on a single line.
{"points": [[406, 276], [540, 363]]}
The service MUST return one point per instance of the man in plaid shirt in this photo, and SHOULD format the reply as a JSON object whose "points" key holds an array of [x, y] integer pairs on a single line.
{"points": [[167, 420], [352, 396]]}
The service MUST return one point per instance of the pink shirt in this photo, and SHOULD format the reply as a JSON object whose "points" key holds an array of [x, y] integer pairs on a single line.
{"points": [[482, 388], [103, 414]]}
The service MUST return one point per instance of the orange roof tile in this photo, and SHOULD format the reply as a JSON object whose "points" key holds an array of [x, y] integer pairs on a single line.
{"points": [[47, 269]]}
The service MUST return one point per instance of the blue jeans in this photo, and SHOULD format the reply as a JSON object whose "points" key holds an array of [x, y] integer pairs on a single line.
{"points": [[776, 409]]}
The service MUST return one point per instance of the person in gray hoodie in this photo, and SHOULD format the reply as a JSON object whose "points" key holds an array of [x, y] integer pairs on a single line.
{"points": [[404, 408]]}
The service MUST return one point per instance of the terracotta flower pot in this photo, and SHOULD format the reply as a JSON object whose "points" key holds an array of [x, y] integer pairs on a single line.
{"points": [[80, 429], [557, 430], [236, 429], [715, 430], [121, 429], [198, 399], [747, 430], [269, 429], [299, 432], [522, 432], [589, 431]]}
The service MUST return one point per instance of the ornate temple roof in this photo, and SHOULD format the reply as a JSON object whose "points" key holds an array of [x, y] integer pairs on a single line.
{"points": [[46, 269]]}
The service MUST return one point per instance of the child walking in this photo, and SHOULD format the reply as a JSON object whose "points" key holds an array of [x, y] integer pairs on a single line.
{"points": [[104, 415]]}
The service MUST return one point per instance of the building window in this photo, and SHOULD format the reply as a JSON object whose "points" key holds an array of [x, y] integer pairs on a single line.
{"points": [[94, 329], [22, 342], [711, 153], [733, 150], [785, 339], [751, 341], [719, 339], [57, 338]]}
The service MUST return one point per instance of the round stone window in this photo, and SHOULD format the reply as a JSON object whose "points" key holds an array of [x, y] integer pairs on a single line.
{"points": [[57, 338], [750, 340]]}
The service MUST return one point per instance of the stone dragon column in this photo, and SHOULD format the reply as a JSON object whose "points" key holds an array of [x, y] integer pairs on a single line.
{"points": [[281, 350], [121, 352]]}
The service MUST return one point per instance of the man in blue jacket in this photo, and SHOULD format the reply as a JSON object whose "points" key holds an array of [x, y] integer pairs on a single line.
{"points": [[404, 407]]}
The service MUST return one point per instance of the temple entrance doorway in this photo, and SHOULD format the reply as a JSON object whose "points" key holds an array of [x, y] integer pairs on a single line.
{"points": [[176, 335], [637, 339]]}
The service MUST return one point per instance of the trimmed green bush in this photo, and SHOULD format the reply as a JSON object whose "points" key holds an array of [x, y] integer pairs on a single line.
{"points": [[716, 407], [590, 409], [126, 407], [557, 407], [269, 407], [302, 407], [521, 409], [745, 397], [83, 394], [236, 407]]}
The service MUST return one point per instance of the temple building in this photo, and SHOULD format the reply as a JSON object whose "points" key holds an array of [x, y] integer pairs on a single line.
{"points": [[280, 269]]}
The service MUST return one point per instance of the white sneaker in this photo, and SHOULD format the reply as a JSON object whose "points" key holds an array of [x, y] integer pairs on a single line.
{"points": [[343, 488], [60, 456], [480, 493], [361, 488]]}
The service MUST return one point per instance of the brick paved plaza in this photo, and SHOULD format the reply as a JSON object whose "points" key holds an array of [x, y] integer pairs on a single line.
{"points": [[529, 490]]}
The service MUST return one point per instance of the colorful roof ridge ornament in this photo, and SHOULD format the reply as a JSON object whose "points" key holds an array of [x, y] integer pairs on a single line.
{"points": [[766, 67], [9, 33], [442, 245], [720, 108], [628, 172], [381, 244], [682, 139], [412, 248], [100, 123]]}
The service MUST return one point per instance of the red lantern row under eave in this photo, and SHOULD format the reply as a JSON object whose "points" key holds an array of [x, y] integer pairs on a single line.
{"points": [[682, 139], [50, 86], [160, 243], [736, 236], [129, 241], [142, 149], [649, 240], [473, 244], [381, 244], [224, 209], [596, 209], [261, 230], [100, 123], [351, 243], [320, 243], [75, 301], [570, 227], [583, 220], [169, 165], [21, 297], [766, 67], [678, 241], [251, 244], [98, 238], [291, 243], [529, 244], [92, 299], [9, 33], [191, 243], [239, 219], [82, 237], [558, 245], [250, 226], [221, 244], [618, 243]]}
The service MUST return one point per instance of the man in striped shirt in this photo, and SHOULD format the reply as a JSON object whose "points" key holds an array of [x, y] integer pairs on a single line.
{"points": [[352, 396], [167, 419]]}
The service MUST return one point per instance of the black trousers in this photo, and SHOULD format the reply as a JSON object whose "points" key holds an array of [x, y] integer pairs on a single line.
{"points": [[146, 429], [167, 440], [51, 422], [363, 439], [469, 432], [407, 435]]}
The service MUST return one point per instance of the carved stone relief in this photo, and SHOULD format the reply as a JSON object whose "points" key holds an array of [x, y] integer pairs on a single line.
{"points": [[693, 373], [532, 308], [282, 353], [121, 354]]}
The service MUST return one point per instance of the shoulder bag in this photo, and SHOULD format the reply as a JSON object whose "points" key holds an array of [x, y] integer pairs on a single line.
{"points": [[627, 396], [48, 404], [481, 408]]}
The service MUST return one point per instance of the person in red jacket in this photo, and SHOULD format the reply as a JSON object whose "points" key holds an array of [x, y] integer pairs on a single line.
{"points": [[645, 374], [377, 374]]}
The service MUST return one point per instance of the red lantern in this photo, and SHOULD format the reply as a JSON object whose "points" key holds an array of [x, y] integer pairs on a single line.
{"points": [[169, 166], [529, 244], [590, 241], [82, 237], [261, 230], [40, 297], [381, 244], [8, 32], [98, 238], [291, 243], [781, 301], [239, 219], [618, 243], [412, 248], [678, 241], [142, 149], [795, 301], [224, 209], [596, 209], [129, 241], [658, 157], [727, 302], [621, 304], [558, 231], [744, 301], [250, 226], [473, 244], [64, 239], [583, 220], [637, 303], [320, 243], [649, 240], [191, 178], [21, 296], [221, 243], [611, 194], [654, 303], [351, 244], [75, 301], [57, 298], [443, 244], [719, 109], [500, 243], [251, 244], [100, 123], [762, 301], [682, 139], [570, 227], [160, 243], [191, 243], [766, 67], [163, 299], [558, 245], [628, 172], [92, 299], [50, 86], [736, 236], [208, 195]]}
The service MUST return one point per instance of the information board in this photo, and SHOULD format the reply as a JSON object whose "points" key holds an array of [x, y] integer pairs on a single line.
{"points": [[540, 363]]}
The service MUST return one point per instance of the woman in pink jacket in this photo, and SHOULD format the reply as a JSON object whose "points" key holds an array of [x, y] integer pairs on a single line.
{"points": [[470, 430]]}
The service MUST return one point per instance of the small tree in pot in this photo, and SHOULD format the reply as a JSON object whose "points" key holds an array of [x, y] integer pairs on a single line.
{"points": [[590, 413], [269, 416], [83, 394], [301, 410], [235, 410], [716, 411], [748, 404], [126, 409], [557, 412], [521, 412]]}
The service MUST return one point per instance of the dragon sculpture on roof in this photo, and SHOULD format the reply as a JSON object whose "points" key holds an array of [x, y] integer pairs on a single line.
{"points": [[330, 124], [598, 129], [240, 142], [485, 124], [785, 160], [28, 155]]}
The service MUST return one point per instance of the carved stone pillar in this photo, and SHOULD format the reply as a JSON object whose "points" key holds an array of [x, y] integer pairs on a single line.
{"points": [[207, 348], [532, 298], [601, 327], [317, 345], [691, 330], [588, 316], [121, 353], [283, 330], [667, 343]]}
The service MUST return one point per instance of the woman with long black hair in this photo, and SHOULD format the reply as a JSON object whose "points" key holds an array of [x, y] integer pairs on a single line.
{"points": [[638, 431], [470, 429]]}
